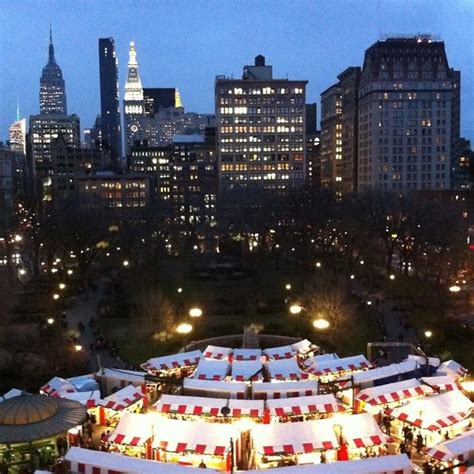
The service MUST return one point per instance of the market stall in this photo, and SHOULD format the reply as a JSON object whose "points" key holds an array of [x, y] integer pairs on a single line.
{"points": [[392, 395], [57, 385], [184, 407], [132, 436], [91, 400], [176, 363], [14, 392], [84, 383], [316, 406], [438, 416], [112, 380], [320, 358], [454, 451], [333, 368], [280, 352], [426, 365], [284, 369], [211, 370], [269, 390], [302, 442], [441, 383], [304, 348], [246, 408], [190, 442], [217, 352], [452, 368], [128, 399], [212, 388], [247, 354], [244, 370]]}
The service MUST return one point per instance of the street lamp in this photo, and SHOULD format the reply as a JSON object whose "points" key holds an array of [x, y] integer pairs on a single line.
{"points": [[318, 264], [321, 323], [18, 238], [195, 312], [62, 286], [125, 263], [50, 321], [22, 271], [180, 290], [184, 328], [455, 289], [78, 348], [288, 287], [428, 334], [295, 309], [392, 277], [70, 272], [55, 296]]}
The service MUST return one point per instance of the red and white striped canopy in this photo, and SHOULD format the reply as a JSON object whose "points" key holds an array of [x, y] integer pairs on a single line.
{"points": [[211, 370], [57, 385], [436, 412], [190, 405], [246, 370], [281, 352], [454, 448], [90, 399], [251, 408], [247, 354], [124, 398], [217, 352], [346, 364], [443, 383], [393, 392], [304, 405], [198, 437], [133, 429], [175, 361], [285, 369], [451, 367], [211, 388], [269, 390], [304, 347]]}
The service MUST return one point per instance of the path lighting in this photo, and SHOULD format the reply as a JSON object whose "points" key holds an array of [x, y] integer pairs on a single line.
{"points": [[22, 271], [428, 334], [318, 264], [54, 270], [50, 321], [180, 290], [392, 277], [455, 289], [288, 287], [321, 323], [55, 296], [352, 277], [70, 272], [78, 348], [125, 263], [184, 328], [369, 302], [362, 262], [295, 309], [62, 286], [18, 238], [195, 312]]}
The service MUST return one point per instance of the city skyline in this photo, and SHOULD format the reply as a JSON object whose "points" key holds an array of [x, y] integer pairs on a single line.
{"points": [[182, 57]]}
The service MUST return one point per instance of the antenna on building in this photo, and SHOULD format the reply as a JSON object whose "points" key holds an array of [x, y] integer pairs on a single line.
{"points": [[17, 110]]}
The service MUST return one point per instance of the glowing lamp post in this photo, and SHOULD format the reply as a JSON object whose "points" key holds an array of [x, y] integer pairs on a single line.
{"points": [[287, 287], [428, 334], [184, 329], [321, 323], [56, 296], [62, 286], [455, 289], [50, 321], [78, 348], [392, 277], [125, 263], [295, 309], [195, 312]]}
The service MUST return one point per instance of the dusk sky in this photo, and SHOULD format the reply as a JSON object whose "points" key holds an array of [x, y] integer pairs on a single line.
{"points": [[185, 44]]}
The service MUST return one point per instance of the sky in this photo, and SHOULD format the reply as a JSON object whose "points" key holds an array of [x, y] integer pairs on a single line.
{"points": [[186, 43]]}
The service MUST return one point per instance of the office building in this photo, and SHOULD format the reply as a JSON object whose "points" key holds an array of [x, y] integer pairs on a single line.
{"points": [[52, 87], [160, 98], [111, 135], [463, 173], [6, 189], [17, 136], [408, 115], [261, 130], [313, 160], [134, 104]]}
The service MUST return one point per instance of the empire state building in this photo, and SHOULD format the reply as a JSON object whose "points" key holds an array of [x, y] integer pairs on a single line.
{"points": [[52, 88]]}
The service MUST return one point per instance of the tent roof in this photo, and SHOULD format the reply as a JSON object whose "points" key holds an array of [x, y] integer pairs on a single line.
{"points": [[320, 358], [298, 387], [32, 417], [134, 429], [280, 352], [303, 405], [133, 376], [14, 392], [217, 352], [174, 361], [57, 384], [211, 369], [285, 369], [460, 445], [190, 405], [385, 371], [451, 367], [442, 382], [245, 369], [323, 367], [225, 388], [304, 346], [247, 354], [124, 397]]}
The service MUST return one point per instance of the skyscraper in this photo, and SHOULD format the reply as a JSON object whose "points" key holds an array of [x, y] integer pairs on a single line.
{"points": [[109, 98], [17, 134], [52, 88], [408, 115], [134, 104], [261, 136]]}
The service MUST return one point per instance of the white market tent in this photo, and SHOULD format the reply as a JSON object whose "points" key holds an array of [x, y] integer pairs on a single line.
{"points": [[84, 383], [294, 438], [113, 379], [280, 352], [252, 408], [89, 399], [243, 370], [106, 463], [14, 392], [190, 405], [304, 347], [57, 385], [133, 429], [421, 361], [285, 369], [393, 392], [346, 364], [392, 373], [211, 369], [452, 368], [217, 352], [304, 405], [247, 354], [399, 464], [211, 388], [196, 436], [320, 358], [268, 390], [459, 447], [175, 361], [436, 412], [124, 398], [443, 383]]}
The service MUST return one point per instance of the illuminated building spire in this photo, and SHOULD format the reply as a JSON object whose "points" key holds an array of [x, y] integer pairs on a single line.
{"points": [[51, 59], [17, 110], [133, 86]]}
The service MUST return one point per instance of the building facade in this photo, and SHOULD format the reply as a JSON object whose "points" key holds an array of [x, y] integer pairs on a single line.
{"points": [[133, 103], [17, 136], [6, 189], [111, 129], [157, 98], [52, 86], [408, 116], [261, 130]]}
